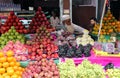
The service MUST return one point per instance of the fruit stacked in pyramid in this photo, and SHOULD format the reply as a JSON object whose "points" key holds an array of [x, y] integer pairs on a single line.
{"points": [[109, 25], [38, 20], [9, 67], [13, 20], [41, 34], [118, 26], [11, 35]]}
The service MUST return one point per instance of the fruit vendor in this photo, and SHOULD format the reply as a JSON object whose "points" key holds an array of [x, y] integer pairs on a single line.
{"points": [[70, 27], [93, 22], [54, 20]]}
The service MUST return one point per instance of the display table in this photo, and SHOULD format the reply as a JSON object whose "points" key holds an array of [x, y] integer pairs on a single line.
{"points": [[97, 59]]}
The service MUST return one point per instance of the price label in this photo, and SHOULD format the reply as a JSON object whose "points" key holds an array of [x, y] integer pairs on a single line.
{"points": [[118, 46], [109, 47], [98, 46]]}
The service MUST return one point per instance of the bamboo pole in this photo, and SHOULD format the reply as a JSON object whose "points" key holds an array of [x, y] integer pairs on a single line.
{"points": [[103, 12]]}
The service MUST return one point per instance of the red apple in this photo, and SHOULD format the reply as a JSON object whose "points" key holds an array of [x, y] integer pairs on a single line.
{"points": [[39, 16], [37, 13], [39, 8], [14, 24], [47, 23], [25, 31], [14, 17], [10, 24], [20, 31], [16, 27], [12, 20], [35, 23], [17, 20], [21, 27], [9, 17], [19, 23], [43, 15], [41, 19], [45, 19], [12, 13]]}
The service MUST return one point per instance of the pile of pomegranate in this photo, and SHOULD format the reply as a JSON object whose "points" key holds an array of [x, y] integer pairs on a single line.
{"points": [[44, 49], [42, 45], [41, 69]]}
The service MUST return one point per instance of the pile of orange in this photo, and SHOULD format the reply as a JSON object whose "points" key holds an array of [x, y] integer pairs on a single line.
{"points": [[9, 67], [109, 25]]}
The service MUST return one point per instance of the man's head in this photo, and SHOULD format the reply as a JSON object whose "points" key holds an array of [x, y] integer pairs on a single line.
{"points": [[53, 13], [66, 19], [93, 20]]}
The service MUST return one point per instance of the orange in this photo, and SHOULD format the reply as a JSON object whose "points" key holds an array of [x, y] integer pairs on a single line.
{"points": [[14, 76], [10, 53], [2, 59], [1, 54], [17, 64], [10, 59], [9, 68], [20, 73], [14, 60], [15, 68], [20, 68], [10, 72], [19, 77], [0, 65], [2, 70], [4, 74], [7, 76], [12, 64], [17, 72], [5, 64], [1, 76], [23, 69]]}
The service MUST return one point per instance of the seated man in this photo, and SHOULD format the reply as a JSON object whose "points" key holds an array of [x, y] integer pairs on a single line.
{"points": [[70, 27]]}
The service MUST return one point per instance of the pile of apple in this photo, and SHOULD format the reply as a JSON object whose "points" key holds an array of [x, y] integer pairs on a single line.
{"points": [[11, 35], [19, 50], [9, 67], [38, 20], [44, 49], [41, 69], [13, 20]]}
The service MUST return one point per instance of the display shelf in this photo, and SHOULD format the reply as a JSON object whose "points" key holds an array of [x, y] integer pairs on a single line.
{"points": [[25, 14], [20, 14]]}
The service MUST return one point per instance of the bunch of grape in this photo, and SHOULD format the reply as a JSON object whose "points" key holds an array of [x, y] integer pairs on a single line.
{"points": [[113, 73], [79, 51], [87, 50], [83, 70], [88, 70], [67, 69]]}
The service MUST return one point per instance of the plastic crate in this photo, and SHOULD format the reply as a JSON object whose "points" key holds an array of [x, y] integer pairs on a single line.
{"points": [[24, 63]]}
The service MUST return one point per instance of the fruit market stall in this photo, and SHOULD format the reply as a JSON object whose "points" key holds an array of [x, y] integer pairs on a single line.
{"points": [[47, 55]]}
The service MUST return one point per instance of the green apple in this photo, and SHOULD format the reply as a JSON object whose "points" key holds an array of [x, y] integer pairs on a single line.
{"points": [[16, 33], [19, 37]]}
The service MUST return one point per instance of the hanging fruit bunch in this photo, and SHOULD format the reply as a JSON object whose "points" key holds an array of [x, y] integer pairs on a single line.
{"points": [[109, 25]]}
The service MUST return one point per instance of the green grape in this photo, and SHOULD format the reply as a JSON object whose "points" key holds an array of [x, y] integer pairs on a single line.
{"points": [[113, 73], [83, 70]]}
